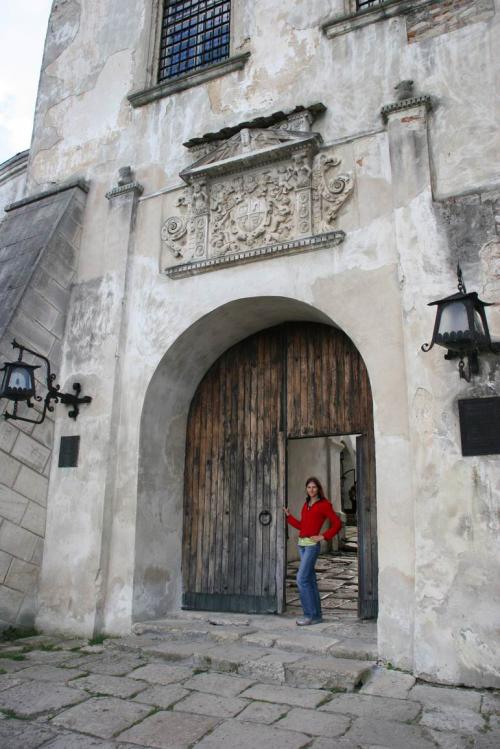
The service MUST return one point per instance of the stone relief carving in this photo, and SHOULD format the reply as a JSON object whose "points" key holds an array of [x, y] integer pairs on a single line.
{"points": [[260, 188], [330, 190]]}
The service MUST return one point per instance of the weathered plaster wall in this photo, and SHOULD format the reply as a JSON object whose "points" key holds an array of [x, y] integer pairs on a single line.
{"points": [[142, 342]]}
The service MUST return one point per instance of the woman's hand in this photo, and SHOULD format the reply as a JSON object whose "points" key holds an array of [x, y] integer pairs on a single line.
{"points": [[286, 511], [317, 538]]}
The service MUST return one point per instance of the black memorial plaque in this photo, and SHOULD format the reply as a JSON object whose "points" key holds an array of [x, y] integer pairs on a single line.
{"points": [[480, 426], [68, 452]]}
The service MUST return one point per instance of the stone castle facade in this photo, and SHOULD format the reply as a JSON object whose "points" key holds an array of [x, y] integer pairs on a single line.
{"points": [[333, 166]]}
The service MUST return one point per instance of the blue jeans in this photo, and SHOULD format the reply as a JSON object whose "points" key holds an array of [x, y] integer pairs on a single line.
{"points": [[306, 581]]}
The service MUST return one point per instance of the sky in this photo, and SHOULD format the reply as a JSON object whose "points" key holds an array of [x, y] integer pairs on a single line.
{"points": [[23, 25]]}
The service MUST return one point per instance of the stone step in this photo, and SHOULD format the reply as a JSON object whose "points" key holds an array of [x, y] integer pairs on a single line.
{"points": [[329, 638], [271, 649]]}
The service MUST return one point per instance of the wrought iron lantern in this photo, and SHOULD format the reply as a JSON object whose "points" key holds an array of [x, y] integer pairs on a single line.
{"points": [[19, 385], [461, 327]]}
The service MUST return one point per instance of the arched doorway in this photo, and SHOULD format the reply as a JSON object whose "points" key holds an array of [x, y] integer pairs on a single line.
{"points": [[286, 382]]}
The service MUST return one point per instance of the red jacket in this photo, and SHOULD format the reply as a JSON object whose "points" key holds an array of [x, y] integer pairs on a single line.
{"points": [[312, 519]]}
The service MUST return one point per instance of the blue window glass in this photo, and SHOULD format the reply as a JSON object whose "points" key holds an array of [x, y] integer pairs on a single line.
{"points": [[194, 33]]}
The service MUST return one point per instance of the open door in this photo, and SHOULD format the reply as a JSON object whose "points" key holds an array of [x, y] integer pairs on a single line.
{"points": [[367, 528]]}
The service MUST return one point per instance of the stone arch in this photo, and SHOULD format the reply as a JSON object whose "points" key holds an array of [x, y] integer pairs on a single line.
{"points": [[158, 546]]}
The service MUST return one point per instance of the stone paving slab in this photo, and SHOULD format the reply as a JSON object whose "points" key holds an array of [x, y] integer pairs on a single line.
{"points": [[169, 730], [299, 642], [487, 741], [263, 712], [446, 740], [286, 695], [161, 673], [314, 723], [262, 639], [77, 741], [211, 704], [230, 634], [50, 657], [50, 673], [8, 666], [388, 683], [322, 743], [366, 706], [71, 644], [111, 686], [102, 716], [7, 681], [453, 719], [162, 696], [269, 668], [448, 697], [327, 673], [221, 684], [37, 697], [368, 732], [178, 650], [355, 647], [229, 658], [235, 733], [491, 703], [110, 663], [19, 734]]}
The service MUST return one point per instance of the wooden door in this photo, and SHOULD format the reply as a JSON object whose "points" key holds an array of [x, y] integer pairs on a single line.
{"points": [[328, 394], [296, 380], [367, 527], [233, 548]]}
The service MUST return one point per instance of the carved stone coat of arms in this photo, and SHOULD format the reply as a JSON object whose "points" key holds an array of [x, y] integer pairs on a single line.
{"points": [[261, 192]]}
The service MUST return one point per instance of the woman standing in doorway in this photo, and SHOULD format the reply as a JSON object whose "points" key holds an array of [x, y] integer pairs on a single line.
{"points": [[317, 508]]}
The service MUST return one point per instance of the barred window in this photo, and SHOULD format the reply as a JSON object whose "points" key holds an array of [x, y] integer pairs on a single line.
{"points": [[194, 33], [362, 4]]}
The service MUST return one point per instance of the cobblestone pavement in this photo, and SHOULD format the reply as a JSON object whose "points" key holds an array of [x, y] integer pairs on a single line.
{"points": [[337, 575], [220, 682]]}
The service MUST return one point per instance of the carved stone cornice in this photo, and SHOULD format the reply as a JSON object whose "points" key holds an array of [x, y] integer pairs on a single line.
{"points": [[126, 183], [305, 244], [130, 187], [250, 148], [414, 101], [343, 24], [272, 120]]}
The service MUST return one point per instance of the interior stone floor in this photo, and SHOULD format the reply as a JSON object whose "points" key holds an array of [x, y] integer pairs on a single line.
{"points": [[337, 575]]}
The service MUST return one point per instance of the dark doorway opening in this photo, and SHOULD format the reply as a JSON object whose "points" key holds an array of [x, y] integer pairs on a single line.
{"points": [[333, 460]]}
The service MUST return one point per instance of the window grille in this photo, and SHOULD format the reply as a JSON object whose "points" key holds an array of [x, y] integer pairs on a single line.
{"points": [[194, 33], [362, 4]]}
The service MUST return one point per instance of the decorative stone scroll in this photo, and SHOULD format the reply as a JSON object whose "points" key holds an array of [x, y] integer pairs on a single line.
{"points": [[261, 192]]}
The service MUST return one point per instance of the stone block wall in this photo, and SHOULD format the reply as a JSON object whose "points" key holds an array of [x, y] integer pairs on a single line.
{"points": [[443, 16], [34, 303], [13, 179]]}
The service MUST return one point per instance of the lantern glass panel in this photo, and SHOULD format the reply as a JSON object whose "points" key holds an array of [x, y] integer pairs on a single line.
{"points": [[21, 378], [478, 323], [4, 381], [454, 319]]}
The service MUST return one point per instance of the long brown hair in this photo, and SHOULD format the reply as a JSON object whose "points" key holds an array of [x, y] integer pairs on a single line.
{"points": [[314, 480]]}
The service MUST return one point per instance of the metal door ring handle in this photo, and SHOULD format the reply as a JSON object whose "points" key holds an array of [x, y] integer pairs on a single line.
{"points": [[265, 517]]}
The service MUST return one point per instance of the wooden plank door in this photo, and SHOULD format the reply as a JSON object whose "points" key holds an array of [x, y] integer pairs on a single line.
{"points": [[234, 482], [328, 394], [367, 528]]}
